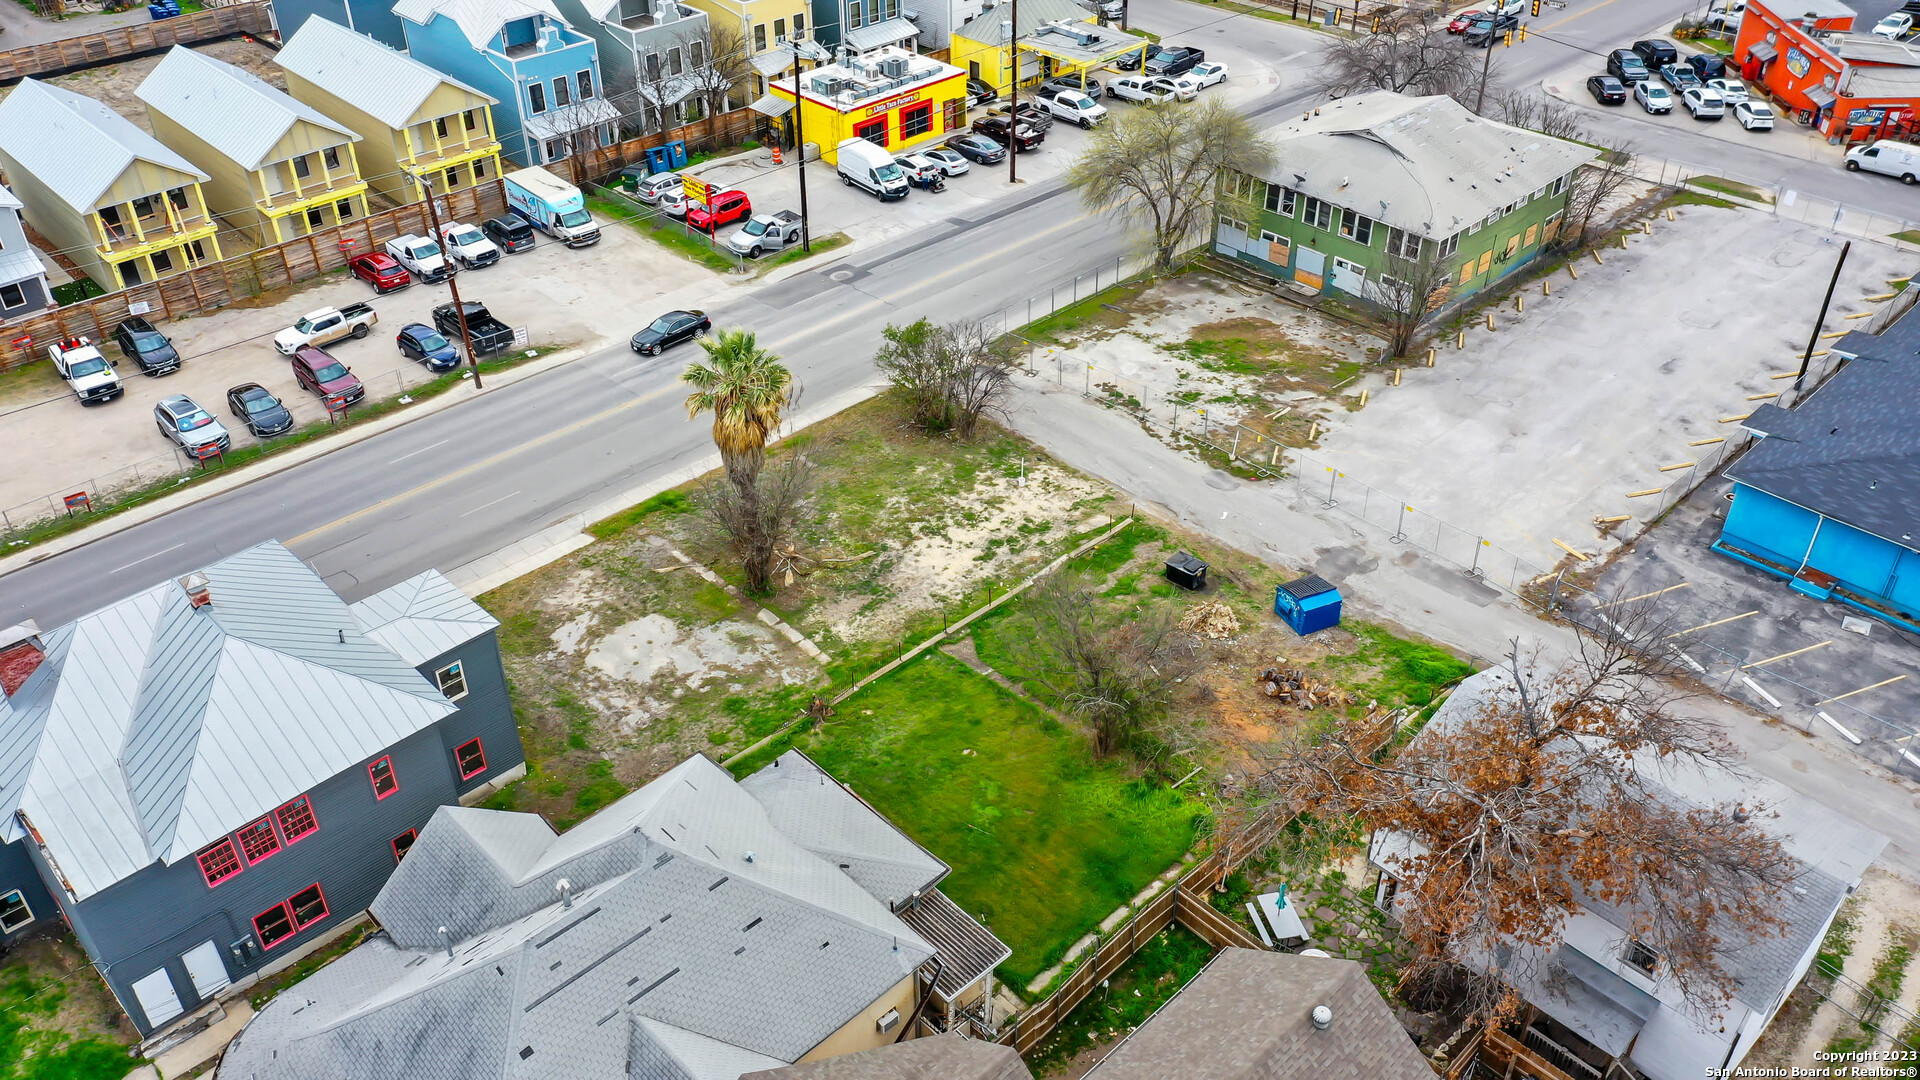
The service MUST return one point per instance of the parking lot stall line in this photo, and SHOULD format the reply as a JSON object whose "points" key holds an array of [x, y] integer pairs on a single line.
{"points": [[1708, 442], [1837, 726], [1758, 689], [1645, 595], [1785, 655], [1716, 622], [1862, 690]]}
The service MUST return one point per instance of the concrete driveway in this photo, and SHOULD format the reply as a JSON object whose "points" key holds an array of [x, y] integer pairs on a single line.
{"points": [[1549, 421]]}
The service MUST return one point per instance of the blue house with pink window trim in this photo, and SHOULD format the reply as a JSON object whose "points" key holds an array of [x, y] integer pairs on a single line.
{"points": [[211, 776]]}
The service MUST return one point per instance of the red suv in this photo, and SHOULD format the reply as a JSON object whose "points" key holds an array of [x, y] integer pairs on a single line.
{"points": [[381, 271], [727, 207], [318, 372]]}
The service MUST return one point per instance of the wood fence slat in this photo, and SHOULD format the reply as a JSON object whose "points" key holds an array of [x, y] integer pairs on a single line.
{"points": [[250, 17]]}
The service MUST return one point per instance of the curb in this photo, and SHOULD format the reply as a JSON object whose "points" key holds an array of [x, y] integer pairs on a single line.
{"points": [[273, 464]]}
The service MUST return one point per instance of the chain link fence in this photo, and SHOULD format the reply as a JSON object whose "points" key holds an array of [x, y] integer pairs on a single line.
{"points": [[1788, 204]]}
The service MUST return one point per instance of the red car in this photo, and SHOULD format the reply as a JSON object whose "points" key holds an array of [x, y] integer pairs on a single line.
{"points": [[381, 271], [1462, 21], [318, 372], [726, 208]]}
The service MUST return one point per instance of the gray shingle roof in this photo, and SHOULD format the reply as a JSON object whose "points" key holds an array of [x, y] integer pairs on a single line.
{"points": [[828, 819], [75, 145], [1248, 1016], [152, 727], [1851, 450], [938, 1057], [670, 946], [386, 84], [238, 114], [1421, 164], [423, 616]]}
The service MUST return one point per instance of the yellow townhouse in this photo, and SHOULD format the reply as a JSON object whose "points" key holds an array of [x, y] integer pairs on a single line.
{"points": [[1054, 38], [765, 28]]}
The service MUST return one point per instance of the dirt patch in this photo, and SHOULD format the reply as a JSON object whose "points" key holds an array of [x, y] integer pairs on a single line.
{"points": [[113, 85], [58, 968]]}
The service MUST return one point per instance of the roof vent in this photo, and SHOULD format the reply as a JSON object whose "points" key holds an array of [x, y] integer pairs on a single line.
{"points": [[446, 938], [749, 856], [198, 588], [565, 889], [1322, 1017]]}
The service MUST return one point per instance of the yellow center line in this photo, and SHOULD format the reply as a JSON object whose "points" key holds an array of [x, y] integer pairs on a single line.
{"points": [[1582, 14]]}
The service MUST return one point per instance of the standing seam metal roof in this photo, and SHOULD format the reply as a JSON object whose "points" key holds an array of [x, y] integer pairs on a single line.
{"points": [[480, 20], [236, 112], [388, 85], [74, 145]]}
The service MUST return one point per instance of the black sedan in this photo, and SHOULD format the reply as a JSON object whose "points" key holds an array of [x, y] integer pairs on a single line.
{"points": [[263, 413], [977, 148], [421, 342], [1607, 90], [996, 128], [671, 329]]}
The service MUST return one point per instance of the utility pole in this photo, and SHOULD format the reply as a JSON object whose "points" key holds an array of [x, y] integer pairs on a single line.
{"points": [[1013, 98], [453, 279], [1480, 102], [1814, 337], [800, 149]]}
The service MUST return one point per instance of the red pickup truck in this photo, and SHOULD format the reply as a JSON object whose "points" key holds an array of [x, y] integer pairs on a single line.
{"points": [[318, 372], [726, 208]]}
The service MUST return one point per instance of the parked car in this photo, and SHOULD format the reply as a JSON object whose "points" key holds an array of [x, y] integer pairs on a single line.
{"points": [[997, 128], [1174, 60], [1733, 90], [977, 148], [319, 373], [768, 232], [951, 162], [1754, 115], [979, 93], [1510, 7], [190, 427], [1074, 106], [1488, 29], [1733, 8], [1653, 97], [88, 372], [1184, 89], [1626, 65], [146, 346], [1132, 61], [920, 171], [1680, 78], [1657, 52], [1894, 27], [726, 208], [1703, 103], [1721, 19], [418, 341], [256, 407], [488, 334], [1030, 113], [467, 246], [1607, 90], [1206, 74], [509, 231], [1888, 158], [649, 189], [1084, 83], [1463, 20], [1708, 66], [420, 256], [671, 329], [380, 270], [326, 326], [1142, 88], [551, 205], [674, 203]]}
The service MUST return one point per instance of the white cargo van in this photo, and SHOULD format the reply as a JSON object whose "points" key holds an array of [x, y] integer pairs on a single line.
{"points": [[863, 165], [1888, 157]]}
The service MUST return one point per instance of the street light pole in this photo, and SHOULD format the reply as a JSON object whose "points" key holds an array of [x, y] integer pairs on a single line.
{"points": [[1013, 98], [453, 279], [800, 148]]}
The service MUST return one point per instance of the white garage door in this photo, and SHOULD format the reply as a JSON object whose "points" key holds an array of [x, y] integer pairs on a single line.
{"points": [[157, 999]]}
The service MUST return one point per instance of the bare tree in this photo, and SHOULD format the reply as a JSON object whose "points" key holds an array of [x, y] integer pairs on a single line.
{"points": [[1116, 668], [1410, 290], [949, 376], [760, 520], [1161, 166], [727, 65], [1558, 789], [1593, 187], [1536, 112], [1404, 57]]}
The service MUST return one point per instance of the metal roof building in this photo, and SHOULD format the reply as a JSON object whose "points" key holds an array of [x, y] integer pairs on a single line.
{"points": [[75, 146], [384, 83], [232, 110], [698, 928]]}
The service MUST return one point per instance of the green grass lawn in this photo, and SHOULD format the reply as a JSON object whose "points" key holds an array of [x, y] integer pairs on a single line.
{"points": [[57, 1022], [1148, 980], [668, 233], [1043, 842]]}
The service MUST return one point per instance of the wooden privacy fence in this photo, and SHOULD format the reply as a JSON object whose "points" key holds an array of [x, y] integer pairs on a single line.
{"points": [[726, 129], [216, 285], [1186, 903], [81, 52]]}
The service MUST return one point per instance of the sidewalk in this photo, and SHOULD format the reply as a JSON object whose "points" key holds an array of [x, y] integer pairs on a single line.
{"points": [[1787, 138]]}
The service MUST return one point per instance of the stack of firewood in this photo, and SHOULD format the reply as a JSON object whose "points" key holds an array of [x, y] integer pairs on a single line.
{"points": [[1210, 619]]}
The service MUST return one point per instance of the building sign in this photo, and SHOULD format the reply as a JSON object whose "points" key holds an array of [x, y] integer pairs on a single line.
{"points": [[79, 500], [1865, 117], [698, 190], [1797, 62], [893, 103], [23, 341]]}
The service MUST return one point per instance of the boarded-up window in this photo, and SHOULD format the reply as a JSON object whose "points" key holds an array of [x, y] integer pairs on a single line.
{"points": [[1513, 245], [1533, 233], [1466, 273], [1486, 261]]}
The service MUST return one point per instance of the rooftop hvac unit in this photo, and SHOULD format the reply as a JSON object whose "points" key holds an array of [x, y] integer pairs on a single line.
{"points": [[894, 67]]}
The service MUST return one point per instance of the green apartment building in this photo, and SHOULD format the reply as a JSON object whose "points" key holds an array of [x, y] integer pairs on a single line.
{"points": [[1376, 175]]}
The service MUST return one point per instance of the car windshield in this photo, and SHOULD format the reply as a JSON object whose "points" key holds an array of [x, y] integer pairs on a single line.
{"points": [[258, 401], [575, 219], [426, 251], [148, 342], [1075, 101], [1759, 108], [92, 365], [304, 324], [331, 372], [1632, 63], [431, 342], [1657, 94], [198, 418], [470, 236], [664, 323], [888, 172], [756, 227]]}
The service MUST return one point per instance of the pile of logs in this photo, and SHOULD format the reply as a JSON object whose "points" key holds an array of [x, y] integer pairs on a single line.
{"points": [[1293, 686]]}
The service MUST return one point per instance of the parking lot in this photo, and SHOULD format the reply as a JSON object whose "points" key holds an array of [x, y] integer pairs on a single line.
{"points": [[1558, 415]]}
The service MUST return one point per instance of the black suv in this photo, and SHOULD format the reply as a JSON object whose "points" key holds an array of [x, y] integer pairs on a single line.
{"points": [[1607, 90], [1708, 67], [1656, 53], [1486, 28], [1626, 65], [508, 233], [1174, 60], [146, 346]]}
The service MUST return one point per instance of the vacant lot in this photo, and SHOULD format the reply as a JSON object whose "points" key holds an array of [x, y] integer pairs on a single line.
{"points": [[57, 1021]]}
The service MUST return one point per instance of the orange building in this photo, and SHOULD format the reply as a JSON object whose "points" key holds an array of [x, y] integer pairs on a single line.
{"points": [[1850, 87]]}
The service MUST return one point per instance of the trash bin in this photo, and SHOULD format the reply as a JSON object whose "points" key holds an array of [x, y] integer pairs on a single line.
{"points": [[1308, 604], [163, 9], [1187, 571]]}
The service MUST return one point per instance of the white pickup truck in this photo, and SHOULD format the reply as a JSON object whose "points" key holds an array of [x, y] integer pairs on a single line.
{"points": [[765, 232], [88, 373], [1072, 106], [325, 326], [420, 256], [468, 247]]}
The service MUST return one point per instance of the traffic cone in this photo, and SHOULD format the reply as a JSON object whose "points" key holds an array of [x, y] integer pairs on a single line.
{"points": [[776, 155]]}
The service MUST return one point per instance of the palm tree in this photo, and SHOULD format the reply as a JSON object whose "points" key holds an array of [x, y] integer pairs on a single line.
{"points": [[747, 390]]}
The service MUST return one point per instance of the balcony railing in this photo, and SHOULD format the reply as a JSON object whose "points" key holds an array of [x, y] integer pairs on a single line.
{"points": [[1503, 1051], [309, 188], [123, 237]]}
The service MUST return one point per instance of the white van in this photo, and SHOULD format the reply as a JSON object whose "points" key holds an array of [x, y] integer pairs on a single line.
{"points": [[1888, 157], [863, 165]]}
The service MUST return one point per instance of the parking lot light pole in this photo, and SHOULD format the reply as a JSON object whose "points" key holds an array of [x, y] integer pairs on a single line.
{"points": [[453, 282], [1013, 97], [1814, 338]]}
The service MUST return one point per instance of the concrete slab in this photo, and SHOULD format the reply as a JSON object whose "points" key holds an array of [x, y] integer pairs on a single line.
{"points": [[205, 1046]]}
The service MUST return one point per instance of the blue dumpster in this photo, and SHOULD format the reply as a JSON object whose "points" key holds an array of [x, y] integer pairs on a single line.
{"points": [[163, 9], [668, 157], [1308, 604]]}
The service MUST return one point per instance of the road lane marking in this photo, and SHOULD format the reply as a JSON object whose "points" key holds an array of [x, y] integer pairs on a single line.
{"points": [[144, 558], [422, 450], [495, 502]]}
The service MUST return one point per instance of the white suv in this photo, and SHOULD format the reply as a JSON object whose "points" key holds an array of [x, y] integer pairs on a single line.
{"points": [[1704, 104]]}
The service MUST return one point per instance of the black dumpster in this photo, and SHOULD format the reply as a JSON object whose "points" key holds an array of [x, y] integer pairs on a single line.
{"points": [[1187, 571]]}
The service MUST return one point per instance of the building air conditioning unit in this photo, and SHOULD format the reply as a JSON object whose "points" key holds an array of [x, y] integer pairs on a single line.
{"points": [[889, 1021], [894, 67]]}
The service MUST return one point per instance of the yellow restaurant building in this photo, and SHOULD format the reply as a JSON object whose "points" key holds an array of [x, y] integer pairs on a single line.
{"points": [[892, 98]]}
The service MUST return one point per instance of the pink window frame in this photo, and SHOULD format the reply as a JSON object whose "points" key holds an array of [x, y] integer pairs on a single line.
{"points": [[286, 835], [239, 861], [478, 746], [325, 909], [375, 780], [412, 836], [282, 939], [273, 834]]}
